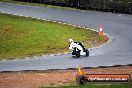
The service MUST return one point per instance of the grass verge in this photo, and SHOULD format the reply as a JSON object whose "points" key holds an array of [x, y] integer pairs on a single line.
{"points": [[95, 86], [21, 36]]}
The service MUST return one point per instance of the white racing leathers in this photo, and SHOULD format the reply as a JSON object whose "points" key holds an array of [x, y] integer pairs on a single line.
{"points": [[75, 45]]}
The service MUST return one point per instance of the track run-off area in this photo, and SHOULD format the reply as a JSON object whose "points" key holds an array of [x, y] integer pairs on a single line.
{"points": [[116, 52]]}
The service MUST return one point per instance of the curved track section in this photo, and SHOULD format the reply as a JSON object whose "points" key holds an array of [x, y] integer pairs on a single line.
{"points": [[119, 52]]}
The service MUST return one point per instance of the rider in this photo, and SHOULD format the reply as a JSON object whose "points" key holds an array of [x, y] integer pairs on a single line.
{"points": [[78, 45]]}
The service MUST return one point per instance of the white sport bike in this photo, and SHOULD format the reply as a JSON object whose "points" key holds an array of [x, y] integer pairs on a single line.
{"points": [[78, 49]]}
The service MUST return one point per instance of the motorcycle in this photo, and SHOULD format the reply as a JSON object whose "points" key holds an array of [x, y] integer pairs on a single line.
{"points": [[78, 52]]}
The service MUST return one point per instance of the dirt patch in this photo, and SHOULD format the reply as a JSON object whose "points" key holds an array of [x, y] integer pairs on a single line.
{"points": [[32, 79]]}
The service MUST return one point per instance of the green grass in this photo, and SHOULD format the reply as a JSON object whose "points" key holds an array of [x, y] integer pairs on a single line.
{"points": [[20, 37], [39, 4], [95, 86]]}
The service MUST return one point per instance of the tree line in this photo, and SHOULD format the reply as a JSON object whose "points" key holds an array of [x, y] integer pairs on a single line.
{"points": [[121, 6]]}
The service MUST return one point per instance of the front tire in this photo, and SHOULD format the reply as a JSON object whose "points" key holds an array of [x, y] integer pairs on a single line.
{"points": [[87, 53], [78, 54]]}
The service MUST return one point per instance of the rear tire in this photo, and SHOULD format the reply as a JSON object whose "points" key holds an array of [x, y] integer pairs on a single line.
{"points": [[81, 80]]}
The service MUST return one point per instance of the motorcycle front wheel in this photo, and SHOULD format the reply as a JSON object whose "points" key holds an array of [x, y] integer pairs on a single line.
{"points": [[87, 53], [78, 54]]}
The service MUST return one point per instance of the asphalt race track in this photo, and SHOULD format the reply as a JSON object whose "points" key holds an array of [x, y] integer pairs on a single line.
{"points": [[118, 52]]}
